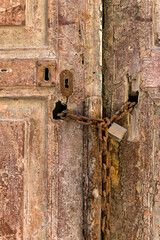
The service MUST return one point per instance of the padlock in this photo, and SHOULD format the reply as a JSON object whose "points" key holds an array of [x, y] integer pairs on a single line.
{"points": [[116, 132]]}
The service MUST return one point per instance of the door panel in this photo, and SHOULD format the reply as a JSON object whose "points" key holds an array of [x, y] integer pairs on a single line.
{"points": [[28, 29], [12, 13], [17, 72], [23, 168], [17, 14], [11, 178]]}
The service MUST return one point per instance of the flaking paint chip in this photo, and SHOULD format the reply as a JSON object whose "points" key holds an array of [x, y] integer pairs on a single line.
{"points": [[117, 132]]}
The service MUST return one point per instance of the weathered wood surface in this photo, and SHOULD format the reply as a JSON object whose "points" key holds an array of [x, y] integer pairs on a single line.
{"points": [[12, 12], [44, 156], [131, 52]]}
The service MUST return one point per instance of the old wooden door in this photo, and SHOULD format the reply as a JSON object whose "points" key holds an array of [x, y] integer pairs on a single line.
{"points": [[49, 60]]}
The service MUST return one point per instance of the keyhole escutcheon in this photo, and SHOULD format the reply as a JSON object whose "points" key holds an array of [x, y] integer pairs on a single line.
{"points": [[66, 82]]}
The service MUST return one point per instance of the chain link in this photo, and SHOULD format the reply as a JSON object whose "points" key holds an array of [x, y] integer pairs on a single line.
{"points": [[98, 122], [105, 162]]}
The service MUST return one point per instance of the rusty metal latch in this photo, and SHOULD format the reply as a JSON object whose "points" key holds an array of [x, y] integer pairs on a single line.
{"points": [[105, 127]]}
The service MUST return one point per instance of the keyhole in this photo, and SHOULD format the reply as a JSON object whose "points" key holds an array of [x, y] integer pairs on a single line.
{"points": [[3, 70], [66, 83], [46, 74]]}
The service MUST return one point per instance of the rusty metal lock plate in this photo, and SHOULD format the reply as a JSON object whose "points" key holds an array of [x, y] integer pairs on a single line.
{"points": [[46, 73], [117, 132], [66, 83]]}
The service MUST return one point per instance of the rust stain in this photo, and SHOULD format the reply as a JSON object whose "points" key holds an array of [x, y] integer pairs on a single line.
{"points": [[85, 15], [143, 135], [147, 213]]}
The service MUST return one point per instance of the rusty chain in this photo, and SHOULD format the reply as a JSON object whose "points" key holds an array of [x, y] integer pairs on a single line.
{"points": [[105, 163], [98, 122]]}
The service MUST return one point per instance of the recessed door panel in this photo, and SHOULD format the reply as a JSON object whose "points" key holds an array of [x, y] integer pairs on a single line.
{"points": [[23, 169], [23, 23], [11, 178], [12, 12]]}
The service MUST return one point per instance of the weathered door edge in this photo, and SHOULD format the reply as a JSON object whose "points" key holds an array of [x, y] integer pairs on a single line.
{"points": [[93, 94], [80, 32]]}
